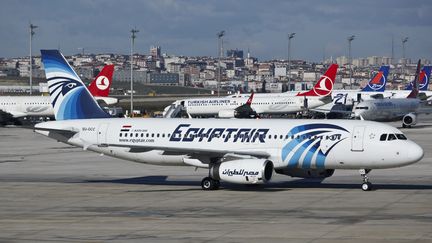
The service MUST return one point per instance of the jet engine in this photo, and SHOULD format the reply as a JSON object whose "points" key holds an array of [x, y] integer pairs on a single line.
{"points": [[306, 173], [243, 171], [227, 114], [409, 120]]}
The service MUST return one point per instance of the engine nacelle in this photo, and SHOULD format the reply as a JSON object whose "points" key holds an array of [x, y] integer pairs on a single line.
{"points": [[243, 171], [306, 173], [409, 119], [227, 114]]}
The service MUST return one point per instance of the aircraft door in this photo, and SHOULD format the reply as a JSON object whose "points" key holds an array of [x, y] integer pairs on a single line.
{"points": [[357, 139], [102, 133], [359, 97]]}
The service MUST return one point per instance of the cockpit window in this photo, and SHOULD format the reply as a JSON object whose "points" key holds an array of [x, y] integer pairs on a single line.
{"points": [[362, 108], [401, 136], [383, 137], [391, 137]]}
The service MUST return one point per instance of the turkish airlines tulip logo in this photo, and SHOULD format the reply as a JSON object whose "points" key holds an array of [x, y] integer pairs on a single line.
{"points": [[102, 82], [324, 87]]}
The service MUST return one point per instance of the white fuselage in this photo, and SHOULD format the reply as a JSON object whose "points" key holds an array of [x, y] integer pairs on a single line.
{"points": [[341, 144], [386, 109], [20, 106], [261, 104]]}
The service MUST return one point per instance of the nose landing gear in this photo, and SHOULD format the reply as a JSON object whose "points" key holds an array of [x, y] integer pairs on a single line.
{"points": [[366, 185]]}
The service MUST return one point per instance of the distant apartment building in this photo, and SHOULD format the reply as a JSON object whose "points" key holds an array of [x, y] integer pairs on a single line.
{"points": [[164, 78], [123, 75], [235, 53], [155, 51]]}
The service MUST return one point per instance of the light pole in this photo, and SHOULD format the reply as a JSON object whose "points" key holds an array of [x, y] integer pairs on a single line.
{"points": [[220, 39], [350, 39], [133, 36], [290, 36], [32, 28], [404, 40]]}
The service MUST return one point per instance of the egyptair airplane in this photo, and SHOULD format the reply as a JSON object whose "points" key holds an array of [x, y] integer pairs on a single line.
{"points": [[236, 151], [234, 106], [21, 106]]}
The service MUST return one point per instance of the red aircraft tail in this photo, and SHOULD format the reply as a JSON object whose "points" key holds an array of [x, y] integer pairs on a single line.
{"points": [[415, 83], [325, 84], [100, 86]]}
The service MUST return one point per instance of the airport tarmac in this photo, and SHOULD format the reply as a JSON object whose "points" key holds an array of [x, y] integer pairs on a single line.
{"points": [[51, 192]]}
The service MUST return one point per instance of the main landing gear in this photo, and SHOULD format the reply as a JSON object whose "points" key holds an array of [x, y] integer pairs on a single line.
{"points": [[366, 185], [210, 184]]}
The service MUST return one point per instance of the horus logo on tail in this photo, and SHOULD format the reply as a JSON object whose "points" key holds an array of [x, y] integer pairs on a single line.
{"points": [[69, 97]]}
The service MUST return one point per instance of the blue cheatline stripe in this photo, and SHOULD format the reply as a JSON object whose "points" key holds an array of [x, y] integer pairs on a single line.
{"points": [[293, 143], [294, 160], [320, 160], [307, 161]]}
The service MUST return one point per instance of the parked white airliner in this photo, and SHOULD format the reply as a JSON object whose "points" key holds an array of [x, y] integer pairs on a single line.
{"points": [[405, 109], [236, 151], [20, 106], [284, 103]]}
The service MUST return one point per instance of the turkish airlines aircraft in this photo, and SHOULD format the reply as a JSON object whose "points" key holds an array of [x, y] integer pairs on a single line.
{"points": [[236, 151], [284, 103], [20, 106], [343, 100]]}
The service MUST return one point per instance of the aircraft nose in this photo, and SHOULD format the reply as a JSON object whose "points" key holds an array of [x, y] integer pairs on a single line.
{"points": [[415, 152]]}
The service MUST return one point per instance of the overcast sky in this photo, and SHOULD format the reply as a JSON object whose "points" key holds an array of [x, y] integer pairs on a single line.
{"points": [[189, 27]]}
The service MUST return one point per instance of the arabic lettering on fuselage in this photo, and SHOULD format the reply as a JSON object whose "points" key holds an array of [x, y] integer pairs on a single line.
{"points": [[185, 133]]}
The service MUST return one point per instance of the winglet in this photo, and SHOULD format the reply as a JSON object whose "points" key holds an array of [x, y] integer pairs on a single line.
{"points": [[325, 84], [101, 85], [415, 84], [378, 82]]}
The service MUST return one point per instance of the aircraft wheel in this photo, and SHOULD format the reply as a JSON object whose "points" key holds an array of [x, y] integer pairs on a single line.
{"points": [[367, 186], [209, 184]]}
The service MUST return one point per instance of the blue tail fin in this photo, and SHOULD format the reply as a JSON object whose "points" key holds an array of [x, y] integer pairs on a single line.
{"points": [[378, 82], [69, 96], [423, 81]]}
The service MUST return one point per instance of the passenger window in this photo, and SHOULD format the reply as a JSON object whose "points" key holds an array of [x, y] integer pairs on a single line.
{"points": [[391, 137], [383, 137], [401, 136], [121, 134]]}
